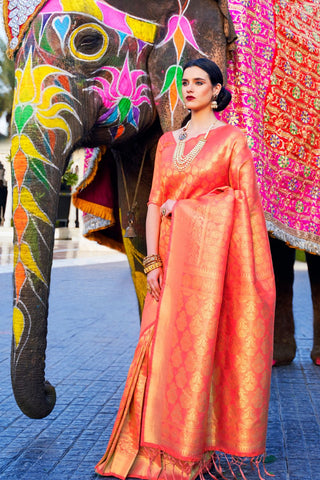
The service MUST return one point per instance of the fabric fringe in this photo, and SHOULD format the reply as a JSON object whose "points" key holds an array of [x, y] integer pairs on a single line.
{"points": [[217, 466], [94, 209], [233, 465], [290, 239], [93, 157]]}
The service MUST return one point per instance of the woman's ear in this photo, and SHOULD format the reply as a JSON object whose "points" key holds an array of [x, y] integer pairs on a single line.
{"points": [[217, 89]]}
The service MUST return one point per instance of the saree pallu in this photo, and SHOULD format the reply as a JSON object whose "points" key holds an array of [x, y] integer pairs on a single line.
{"points": [[198, 387]]}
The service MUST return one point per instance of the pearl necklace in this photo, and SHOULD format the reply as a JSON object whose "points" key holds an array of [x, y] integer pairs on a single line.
{"points": [[181, 161]]}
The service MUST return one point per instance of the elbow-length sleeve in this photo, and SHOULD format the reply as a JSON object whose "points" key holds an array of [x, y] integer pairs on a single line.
{"points": [[156, 193]]}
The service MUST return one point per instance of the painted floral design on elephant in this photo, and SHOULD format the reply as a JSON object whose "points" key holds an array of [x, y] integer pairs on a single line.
{"points": [[19, 17], [180, 32], [34, 101], [122, 97]]}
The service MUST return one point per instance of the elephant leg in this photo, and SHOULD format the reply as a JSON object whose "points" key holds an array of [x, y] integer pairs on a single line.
{"points": [[283, 258], [313, 262]]}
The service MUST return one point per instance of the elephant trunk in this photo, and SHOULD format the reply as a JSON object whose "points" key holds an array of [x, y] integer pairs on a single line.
{"points": [[36, 188]]}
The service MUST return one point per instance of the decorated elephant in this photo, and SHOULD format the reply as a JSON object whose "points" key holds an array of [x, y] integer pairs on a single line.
{"points": [[105, 76]]}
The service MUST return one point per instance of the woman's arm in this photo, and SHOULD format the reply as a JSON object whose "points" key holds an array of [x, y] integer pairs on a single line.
{"points": [[153, 229], [154, 278]]}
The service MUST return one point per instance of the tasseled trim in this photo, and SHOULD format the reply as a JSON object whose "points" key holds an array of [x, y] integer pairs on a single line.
{"points": [[216, 465], [97, 210], [177, 465], [233, 465], [93, 157], [293, 240]]}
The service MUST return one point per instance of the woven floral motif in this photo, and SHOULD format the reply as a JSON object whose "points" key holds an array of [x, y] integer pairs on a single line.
{"points": [[292, 126], [249, 73], [274, 79], [211, 351]]}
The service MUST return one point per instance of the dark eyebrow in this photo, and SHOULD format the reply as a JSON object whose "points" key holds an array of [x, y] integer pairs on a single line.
{"points": [[198, 78]]}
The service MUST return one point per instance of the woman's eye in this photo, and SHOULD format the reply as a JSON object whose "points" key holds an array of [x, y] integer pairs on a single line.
{"points": [[184, 84]]}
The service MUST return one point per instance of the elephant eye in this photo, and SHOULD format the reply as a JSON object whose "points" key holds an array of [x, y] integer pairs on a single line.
{"points": [[88, 42]]}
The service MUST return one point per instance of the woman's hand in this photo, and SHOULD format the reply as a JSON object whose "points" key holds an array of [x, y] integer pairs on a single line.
{"points": [[154, 280], [167, 207]]}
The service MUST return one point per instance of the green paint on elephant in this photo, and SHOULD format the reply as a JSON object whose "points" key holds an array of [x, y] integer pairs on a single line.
{"points": [[45, 45], [174, 72], [39, 170], [124, 108], [22, 115]]}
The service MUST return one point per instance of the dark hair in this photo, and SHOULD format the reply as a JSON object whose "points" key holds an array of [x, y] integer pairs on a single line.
{"points": [[215, 76]]}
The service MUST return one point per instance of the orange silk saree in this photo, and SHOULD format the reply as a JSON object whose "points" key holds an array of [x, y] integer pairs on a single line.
{"points": [[198, 386]]}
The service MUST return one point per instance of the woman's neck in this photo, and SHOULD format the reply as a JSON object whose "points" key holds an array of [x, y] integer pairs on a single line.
{"points": [[201, 121]]}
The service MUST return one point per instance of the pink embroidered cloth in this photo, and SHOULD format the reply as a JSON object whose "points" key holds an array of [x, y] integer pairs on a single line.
{"points": [[274, 79]]}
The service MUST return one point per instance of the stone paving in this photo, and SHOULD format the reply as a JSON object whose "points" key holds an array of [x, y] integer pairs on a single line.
{"points": [[93, 330]]}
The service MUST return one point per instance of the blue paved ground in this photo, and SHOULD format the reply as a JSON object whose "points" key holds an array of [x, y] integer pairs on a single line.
{"points": [[93, 329]]}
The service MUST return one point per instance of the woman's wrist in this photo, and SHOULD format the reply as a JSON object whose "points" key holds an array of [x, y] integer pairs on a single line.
{"points": [[151, 262]]}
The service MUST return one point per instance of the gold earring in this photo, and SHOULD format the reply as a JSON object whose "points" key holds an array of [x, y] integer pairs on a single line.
{"points": [[214, 104]]}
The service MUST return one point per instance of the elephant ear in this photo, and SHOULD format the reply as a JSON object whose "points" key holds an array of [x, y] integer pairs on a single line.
{"points": [[228, 27], [202, 29]]}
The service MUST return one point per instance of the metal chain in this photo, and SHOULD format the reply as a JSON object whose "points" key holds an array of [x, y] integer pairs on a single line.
{"points": [[130, 209]]}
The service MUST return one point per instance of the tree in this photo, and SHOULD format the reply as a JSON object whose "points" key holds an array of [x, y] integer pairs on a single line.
{"points": [[6, 80]]}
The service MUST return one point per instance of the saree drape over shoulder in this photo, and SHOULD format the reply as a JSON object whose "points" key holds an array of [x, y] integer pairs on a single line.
{"points": [[198, 387]]}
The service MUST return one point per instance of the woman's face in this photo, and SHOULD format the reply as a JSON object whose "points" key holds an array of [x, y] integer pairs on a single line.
{"points": [[197, 89]]}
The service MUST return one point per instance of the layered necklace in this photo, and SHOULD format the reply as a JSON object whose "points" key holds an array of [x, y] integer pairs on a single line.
{"points": [[181, 161]]}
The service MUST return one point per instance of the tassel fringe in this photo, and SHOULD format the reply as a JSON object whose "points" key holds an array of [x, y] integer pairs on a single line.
{"points": [[215, 466], [233, 465]]}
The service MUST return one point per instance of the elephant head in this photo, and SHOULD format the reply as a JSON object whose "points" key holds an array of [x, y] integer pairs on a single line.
{"points": [[101, 75]]}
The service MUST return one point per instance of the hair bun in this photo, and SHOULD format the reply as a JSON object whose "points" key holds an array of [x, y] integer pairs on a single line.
{"points": [[223, 99]]}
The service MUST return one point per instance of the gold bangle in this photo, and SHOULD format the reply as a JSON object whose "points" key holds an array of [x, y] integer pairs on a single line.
{"points": [[151, 258], [153, 266]]}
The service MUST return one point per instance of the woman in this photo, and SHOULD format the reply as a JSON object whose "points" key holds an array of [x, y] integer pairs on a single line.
{"points": [[198, 388]]}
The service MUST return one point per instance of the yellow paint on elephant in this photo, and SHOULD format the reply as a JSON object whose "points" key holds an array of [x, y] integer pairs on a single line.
{"points": [[15, 198], [139, 278], [16, 252], [54, 110], [29, 149], [28, 261], [18, 325], [55, 123], [30, 205], [15, 144], [141, 29], [83, 6], [96, 56], [25, 82], [29, 82], [49, 93]]}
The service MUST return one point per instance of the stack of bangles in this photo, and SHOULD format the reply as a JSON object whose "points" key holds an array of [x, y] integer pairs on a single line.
{"points": [[151, 262]]}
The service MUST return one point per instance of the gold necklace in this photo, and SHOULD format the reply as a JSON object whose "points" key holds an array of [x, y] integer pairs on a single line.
{"points": [[181, 161]]}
